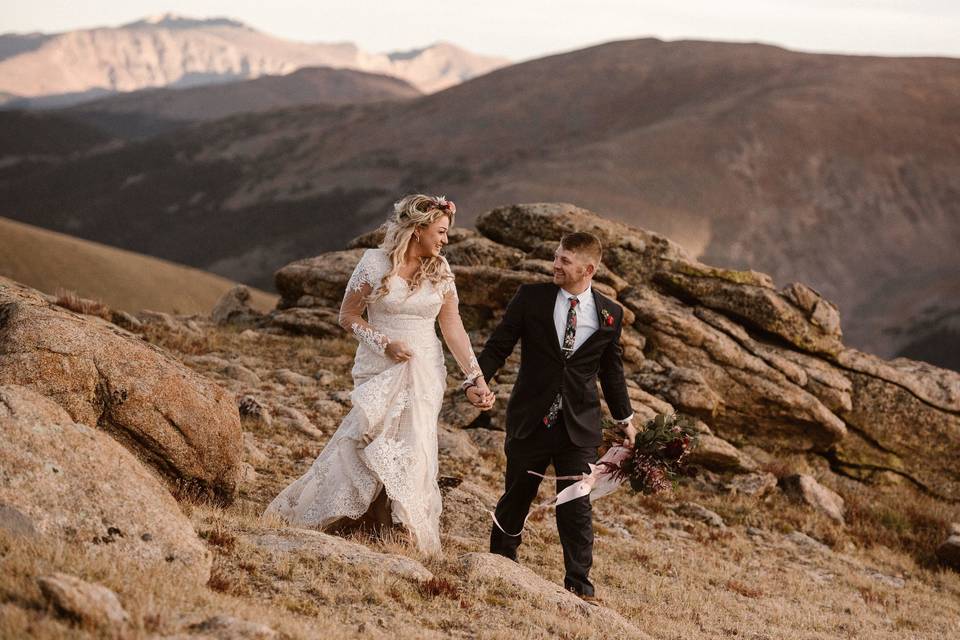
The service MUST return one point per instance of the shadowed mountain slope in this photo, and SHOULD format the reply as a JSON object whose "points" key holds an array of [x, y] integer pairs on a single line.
{"points": [[841, 171]]}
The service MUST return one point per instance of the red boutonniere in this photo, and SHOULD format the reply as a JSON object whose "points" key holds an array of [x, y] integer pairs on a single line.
{"points": [[607, 318]]}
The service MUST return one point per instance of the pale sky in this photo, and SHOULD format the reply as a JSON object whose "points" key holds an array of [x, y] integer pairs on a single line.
{"points": [[522, 29]]}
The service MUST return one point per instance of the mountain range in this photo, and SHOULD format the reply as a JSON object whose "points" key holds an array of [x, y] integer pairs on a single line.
{"points": [[169, 50], [839, 171]]}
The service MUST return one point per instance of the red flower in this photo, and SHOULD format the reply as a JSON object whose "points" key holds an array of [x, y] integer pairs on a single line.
{"points": [[609, 321]]}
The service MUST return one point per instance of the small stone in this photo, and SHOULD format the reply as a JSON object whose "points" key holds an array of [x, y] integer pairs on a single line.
{"points": [[803, 540], [292, 377], [241, 374], [233, 308], [90, 603], [296, 419], [699, 512], [807, 489], [224, 627], [752, 484], [324, 378], [16, 522], [949, 552]]}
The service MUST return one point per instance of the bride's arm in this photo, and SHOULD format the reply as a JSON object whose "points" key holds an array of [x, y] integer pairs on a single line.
{"points": [[454, 334], [351, 317]]}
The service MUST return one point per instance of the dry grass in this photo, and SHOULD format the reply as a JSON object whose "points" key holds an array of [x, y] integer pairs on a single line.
{"points": [[673, 578], [70, 300], [49, 261]]}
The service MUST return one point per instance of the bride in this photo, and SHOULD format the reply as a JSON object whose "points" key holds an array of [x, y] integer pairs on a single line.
{"points": [[381, 464]]}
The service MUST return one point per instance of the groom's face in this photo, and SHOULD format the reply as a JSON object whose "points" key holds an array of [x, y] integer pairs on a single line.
{"points": [[570, 267]]}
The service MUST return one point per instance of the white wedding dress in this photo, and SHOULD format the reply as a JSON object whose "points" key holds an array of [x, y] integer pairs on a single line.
{"points": [[388, 440]]}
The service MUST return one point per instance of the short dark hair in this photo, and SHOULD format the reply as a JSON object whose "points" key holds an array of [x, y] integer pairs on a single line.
{"points": [[583, 243]]}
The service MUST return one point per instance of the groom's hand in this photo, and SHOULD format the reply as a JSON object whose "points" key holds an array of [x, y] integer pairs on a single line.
{"points": [[480, 396], [630, 435]]}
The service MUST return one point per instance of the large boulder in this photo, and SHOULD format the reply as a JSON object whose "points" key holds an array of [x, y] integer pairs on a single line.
{"points": [[317, 281], [179, 422], [76, 484], [634, 254], [480, 251]]}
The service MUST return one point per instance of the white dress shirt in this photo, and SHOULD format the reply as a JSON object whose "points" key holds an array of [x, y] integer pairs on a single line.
{"points": [[587, 321]]}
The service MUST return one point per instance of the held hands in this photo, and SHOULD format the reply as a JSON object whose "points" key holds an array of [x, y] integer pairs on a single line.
{"points": [[398, 351], [480, 396]]}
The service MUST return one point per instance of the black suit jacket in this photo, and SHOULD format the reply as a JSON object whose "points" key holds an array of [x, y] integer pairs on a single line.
{"points": [[544, 370]]}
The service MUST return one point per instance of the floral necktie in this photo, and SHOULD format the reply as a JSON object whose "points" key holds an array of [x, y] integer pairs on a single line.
{"points": [[569, 336]]}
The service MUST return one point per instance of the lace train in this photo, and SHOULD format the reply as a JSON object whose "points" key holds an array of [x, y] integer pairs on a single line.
{"points": [[384, 441], [389, 438]]}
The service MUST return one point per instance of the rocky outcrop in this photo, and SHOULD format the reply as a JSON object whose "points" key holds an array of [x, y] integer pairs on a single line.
{"points": [[182, 424], [755, 364], [75, 484], [318, 281], [704, 370]]}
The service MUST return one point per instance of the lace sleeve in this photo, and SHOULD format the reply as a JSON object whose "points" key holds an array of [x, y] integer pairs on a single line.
{"points": [[454, 334], [354, 303]]}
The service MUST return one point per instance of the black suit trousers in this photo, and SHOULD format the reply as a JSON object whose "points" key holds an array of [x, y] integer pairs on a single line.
{"points": [[574, 518]]}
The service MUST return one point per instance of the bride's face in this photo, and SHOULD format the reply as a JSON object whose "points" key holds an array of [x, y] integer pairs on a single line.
{"points": [[434, 236]]}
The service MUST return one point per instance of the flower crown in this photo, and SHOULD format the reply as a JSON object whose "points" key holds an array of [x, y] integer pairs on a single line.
{"points": [[445, 205]]}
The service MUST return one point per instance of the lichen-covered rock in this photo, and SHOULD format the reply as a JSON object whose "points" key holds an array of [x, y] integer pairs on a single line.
{"points": [[752, 302], [711, 375], [895, 429], [320, 321], [179, 422]]}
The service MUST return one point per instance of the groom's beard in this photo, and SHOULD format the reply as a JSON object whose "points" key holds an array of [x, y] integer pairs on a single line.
{"points": [[566, 279]]}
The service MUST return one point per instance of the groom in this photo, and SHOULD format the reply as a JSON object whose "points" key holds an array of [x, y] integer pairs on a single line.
{"points": [[569, 337]]}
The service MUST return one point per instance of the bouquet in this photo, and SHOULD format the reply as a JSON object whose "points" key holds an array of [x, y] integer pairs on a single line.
{"points": [[659, 454]]}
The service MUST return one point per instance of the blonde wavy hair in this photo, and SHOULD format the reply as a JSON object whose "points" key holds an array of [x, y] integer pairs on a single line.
{"points": [[410, 214]]}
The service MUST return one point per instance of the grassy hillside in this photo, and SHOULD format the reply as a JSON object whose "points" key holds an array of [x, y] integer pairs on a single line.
{"points": [[122, 279]]}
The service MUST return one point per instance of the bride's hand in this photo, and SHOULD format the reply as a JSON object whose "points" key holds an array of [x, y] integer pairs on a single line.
{"points": [[398, 351], [486, 396]]}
